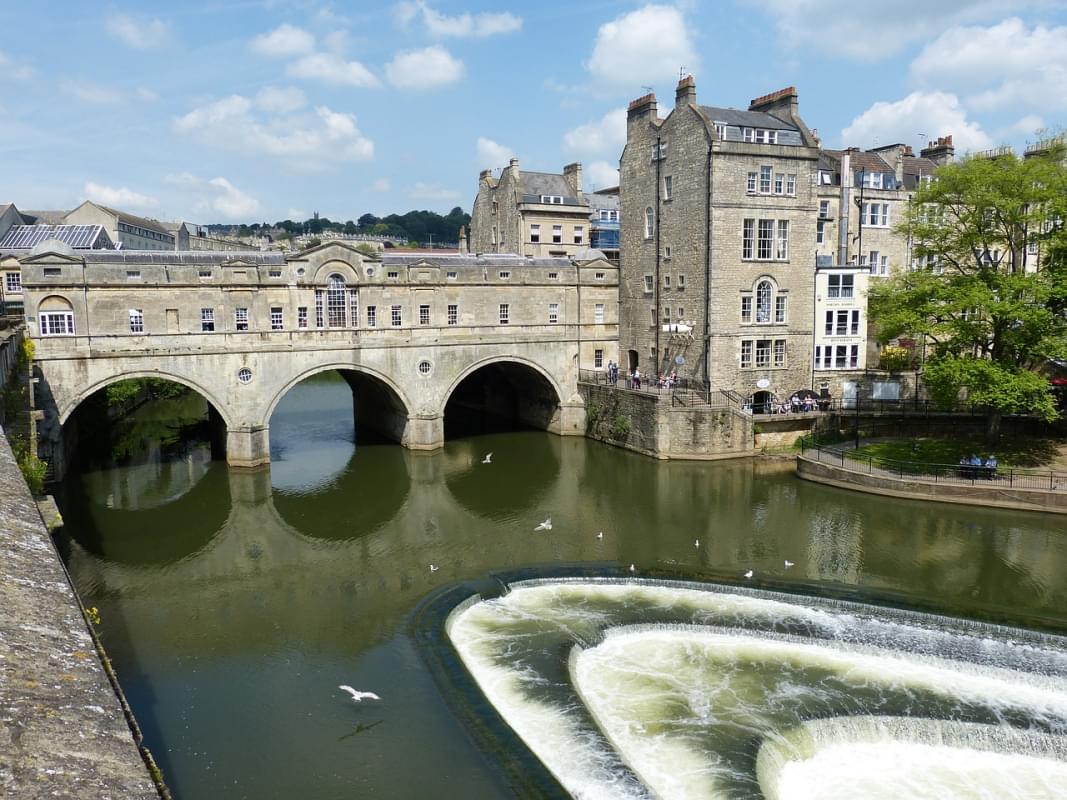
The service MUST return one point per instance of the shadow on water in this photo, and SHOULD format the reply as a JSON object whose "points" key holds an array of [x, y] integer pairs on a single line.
{"points": [[524, 468]]}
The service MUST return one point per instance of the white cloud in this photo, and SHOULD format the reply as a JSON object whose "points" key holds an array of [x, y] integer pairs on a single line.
{"points": [[486, 23], [274, 99], [120, 197], [933, 113], [230, 201], [138, 31], [91, 92], [1031, 125], [337, 40], [491, 154], [13, 69], [1029, 69], [381, 185], [297, 214], [332, 69], [432, 191], [306, 141], [602, 137], [874, 31], [645, 45], [285, 40], [600, 175], [424, 69]]}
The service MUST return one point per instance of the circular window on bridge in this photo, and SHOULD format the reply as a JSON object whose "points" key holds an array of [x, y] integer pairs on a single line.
{"points": [[244, 375], [425, 367], [300, 271], [370, 272]]}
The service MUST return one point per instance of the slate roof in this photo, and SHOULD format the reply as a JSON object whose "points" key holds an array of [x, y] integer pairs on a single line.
{"points": [[747, 119], [914, 167], [255, 257], [141, 222], [871, 162], [43, 217], [79, 237], [550, 183]]}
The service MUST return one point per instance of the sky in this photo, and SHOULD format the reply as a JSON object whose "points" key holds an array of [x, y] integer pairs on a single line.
{"points": [[262, 110]]}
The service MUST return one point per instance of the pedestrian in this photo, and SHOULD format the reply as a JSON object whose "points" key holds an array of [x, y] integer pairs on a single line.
{"points": [[637, 378]]}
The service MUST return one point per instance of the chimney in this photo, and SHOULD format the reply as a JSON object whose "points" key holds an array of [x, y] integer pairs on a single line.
{"points": [[686, 92], [485, 175], [642, 107], [784, 102], [940, 151], [573, 174], [463, 240]]}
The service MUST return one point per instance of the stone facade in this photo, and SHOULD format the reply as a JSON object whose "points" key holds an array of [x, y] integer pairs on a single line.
{"points": [[691, 285], [243, 329], [126, 230]]}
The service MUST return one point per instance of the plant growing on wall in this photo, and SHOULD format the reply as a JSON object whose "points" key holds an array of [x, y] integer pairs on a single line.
{"points": [[621, 426]]}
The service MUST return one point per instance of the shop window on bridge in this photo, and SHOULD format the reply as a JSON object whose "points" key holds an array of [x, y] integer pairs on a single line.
{"points": [[336, 301], [55, 316]]}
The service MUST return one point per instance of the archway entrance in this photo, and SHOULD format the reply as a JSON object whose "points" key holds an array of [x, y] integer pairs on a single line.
{"points": [[763, 402], [504, 395]]}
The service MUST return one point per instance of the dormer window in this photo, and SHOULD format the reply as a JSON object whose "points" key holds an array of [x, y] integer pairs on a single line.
{"points": [[873, 180], [760, 136], [825, 178], [552, 199]]}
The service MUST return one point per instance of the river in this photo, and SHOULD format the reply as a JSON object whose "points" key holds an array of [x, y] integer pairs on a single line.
{"points": [[233, 604]]}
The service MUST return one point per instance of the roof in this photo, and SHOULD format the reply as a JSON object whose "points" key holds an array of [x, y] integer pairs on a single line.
{"points": [[862, 160], [510, 260], [161, 257], [548, 183], [915, 167], [747, 119], [79, 237], [43, 217], [598, 201], [141, 222]]}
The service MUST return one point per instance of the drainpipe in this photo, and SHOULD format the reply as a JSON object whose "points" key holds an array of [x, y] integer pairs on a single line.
{"points": [[707, 271], [656, 222]]}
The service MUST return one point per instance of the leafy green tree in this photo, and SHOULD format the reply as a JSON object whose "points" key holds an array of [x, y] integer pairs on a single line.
{"points": [[990, 299]]}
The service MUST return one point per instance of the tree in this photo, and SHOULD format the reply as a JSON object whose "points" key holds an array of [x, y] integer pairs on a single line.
{"points": [[990, 297]]}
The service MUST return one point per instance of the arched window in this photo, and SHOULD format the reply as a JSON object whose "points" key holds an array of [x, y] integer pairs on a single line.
{"points": [[336, 301], [650, 222], [55, 317], [763, 301]]}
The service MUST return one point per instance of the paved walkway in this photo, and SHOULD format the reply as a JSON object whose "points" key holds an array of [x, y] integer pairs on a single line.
{"points": [[63, 733]]}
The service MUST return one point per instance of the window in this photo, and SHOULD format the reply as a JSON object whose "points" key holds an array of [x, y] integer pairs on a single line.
{"points": [[453, 314], [883, 266], [579, 234], [779, 308], [829, 323], [779, 183], [553, 276], [133, 274], [751, 186], [650, 222], [204, 274], [854, 355], [873, 180], [136, 320], [765, 180], [396, 319], [424, 367], [791, 185], [56, 323], [240, 319], [759, 135], [825, 178], [392, 275], [841, 328], [824, 209], [652, 314], [746, 354], [840, 286], [372, 316], [779, 352], [872, 260], [781, 252], [766, 235], [763, 352], [552, 199], [353, 307], [207, 320], [666, 314], [820, 232], [667, 252], [336, 301], [302, 317], [875, 215], [648, 284], [720, 130], [553, 313], [666, 281], [451, 276], [746, 309], [763, 301], [598, 314], [13, 281], [841, 358], [274, 273], [535, 233], [505, 309], [424, 315], [599, 276], [659, 150], [668, 187], [854, 329], [598, 359], [746, 238], [52, 272], [505, 275], [557, 234], [681, 283], [276, 318]]}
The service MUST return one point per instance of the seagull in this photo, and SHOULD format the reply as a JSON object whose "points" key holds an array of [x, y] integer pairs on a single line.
{"points": [[359, 696], [545, 526], [488, 458], [633, 568], [434, 568], [788, 563], [696, 543], [600, 535], [748, 574]]}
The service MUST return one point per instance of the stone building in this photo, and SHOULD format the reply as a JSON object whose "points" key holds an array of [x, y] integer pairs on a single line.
{"points": [[126, 230], [604, 221], [190, 236], [719, 210], [539, 214]]}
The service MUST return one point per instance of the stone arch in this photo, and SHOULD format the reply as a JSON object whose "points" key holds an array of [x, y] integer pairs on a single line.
{"points": [[342, 367], [512, 388], [510, 359], [72, 404], [339, 266]]}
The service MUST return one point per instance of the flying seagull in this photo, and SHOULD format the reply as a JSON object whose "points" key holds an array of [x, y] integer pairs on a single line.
{"points": [[696, 543], [600, 535], [488, 458], [788, 563], [434, 568], [633, 568], [359, 696], [748, 574], [545, 526]]}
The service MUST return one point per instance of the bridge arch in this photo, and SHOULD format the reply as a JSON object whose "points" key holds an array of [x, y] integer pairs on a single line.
{"points": [[71, 404], [512, 386]]}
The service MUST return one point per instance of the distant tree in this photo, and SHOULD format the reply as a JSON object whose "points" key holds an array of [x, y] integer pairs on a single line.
{"points": [[350, 228], [368, 220], [992, 320]]}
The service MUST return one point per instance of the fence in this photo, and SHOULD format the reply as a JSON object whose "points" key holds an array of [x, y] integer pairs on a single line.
{"points": [[681, 391], [948, 474]]}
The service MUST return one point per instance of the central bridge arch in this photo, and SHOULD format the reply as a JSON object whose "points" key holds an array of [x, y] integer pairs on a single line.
{"points": [[506, 388]]}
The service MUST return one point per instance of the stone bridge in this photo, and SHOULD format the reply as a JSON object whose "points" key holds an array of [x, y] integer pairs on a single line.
{"points": [[413, 335]]}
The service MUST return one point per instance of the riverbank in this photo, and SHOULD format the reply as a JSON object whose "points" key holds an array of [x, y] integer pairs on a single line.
{"points": [[65, 733]]}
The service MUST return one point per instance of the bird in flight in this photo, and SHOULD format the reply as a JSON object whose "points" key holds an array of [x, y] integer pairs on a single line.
{"points": [[696, 543], [488, 458], [788, 563], [748, 574], [633, 568], [359, 696], [600, 535], [434, 568], [545, 526]]}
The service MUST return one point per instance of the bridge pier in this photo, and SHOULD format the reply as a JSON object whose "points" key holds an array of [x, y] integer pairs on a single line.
{"points": [[248, 446], [424, 433]]}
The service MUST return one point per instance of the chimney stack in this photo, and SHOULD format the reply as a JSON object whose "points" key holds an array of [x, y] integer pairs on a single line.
{"points": [[573, 174], [642, 107], [940, 151], [686, 92]]}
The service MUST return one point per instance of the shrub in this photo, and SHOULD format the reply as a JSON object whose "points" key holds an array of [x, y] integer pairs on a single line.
{"points": [[25, 355], [621, 427]]}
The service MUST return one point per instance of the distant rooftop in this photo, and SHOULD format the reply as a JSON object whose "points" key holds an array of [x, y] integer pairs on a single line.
{"points": [[78, 237]]}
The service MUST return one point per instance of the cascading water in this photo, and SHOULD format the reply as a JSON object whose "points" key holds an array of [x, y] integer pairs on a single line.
{"points": [[645, 688]]}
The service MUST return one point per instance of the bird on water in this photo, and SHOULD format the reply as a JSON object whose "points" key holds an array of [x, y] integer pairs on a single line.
{"points": [[488, 458], [748, 574], [545, 526], [357, 696]]}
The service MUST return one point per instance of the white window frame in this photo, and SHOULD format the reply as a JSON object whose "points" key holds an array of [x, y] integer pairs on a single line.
{"points": [[424, 313], [557, 234], [452, 317], [598, 314], [56, 323], [579, 234], [136, 320], [13, 282], [207, 320], [277, 319], [505, 314], [553, 313], [668, 187], [396, 316], [241, 319], [535, 233], [598, 359], [372, 316]]}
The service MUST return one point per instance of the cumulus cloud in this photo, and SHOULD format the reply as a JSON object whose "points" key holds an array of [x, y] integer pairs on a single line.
{"points": [[875, 31], [935, 113], [277, 100], [305, 141], [645, 45], [285, 40], [424, 69], [479, 25], [329, 68], [138, 31], [1029, 69], [297, 214], [432, 191], [215, 196], [603, 137], [91, 92], [119, 197], [491, 154], [600, 175]]}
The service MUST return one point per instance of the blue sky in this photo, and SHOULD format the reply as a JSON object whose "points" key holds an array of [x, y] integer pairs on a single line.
{"points": [[258, 110]]}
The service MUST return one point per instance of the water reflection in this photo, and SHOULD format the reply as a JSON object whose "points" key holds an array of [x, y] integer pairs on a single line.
{"points": [[524, 469]]}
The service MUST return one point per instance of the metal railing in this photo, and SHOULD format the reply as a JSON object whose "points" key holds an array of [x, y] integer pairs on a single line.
{"points": [[846, 457]]}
